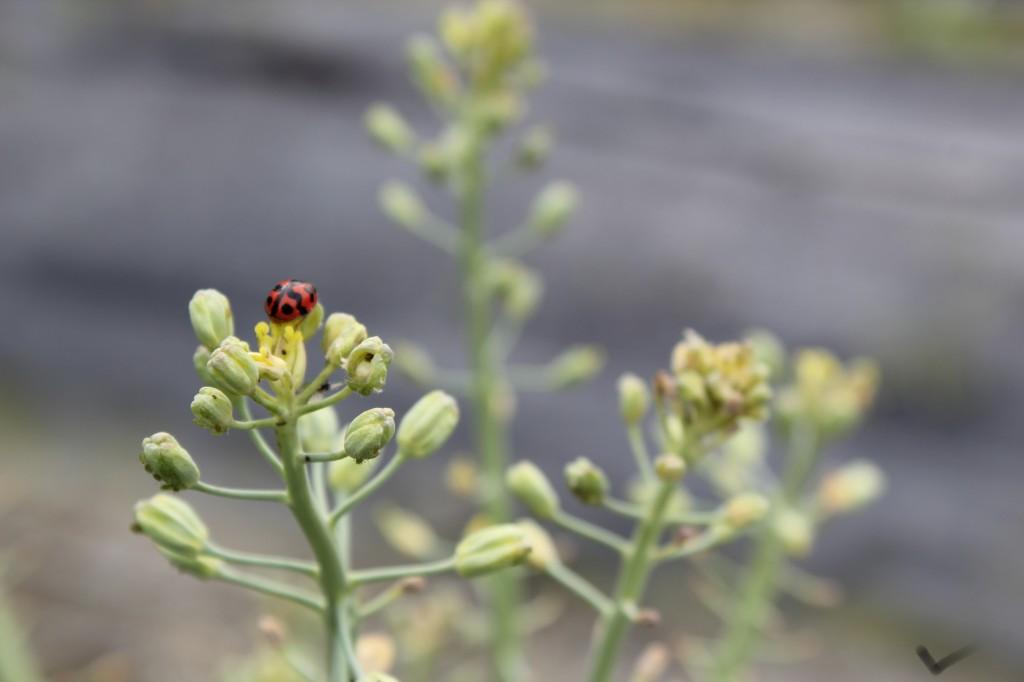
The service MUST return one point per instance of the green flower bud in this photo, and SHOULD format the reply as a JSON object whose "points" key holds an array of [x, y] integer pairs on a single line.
{"points": [[168, 462], [586, 481], [367, 366], [406, 532], [670, 467], [210, 313], [518, 287], [529, 484], [346, 475], [552, 209], [368, 433], [212, 410], [202, 566], [795, 531], [491, 549], [402, 205], [744, 510], [535, 147], [851, 487], [543, 552], [413, 361], [199, 360], [575, 365], [429, 70], [428, 424], [634, 399], [171, 523], [388, 129], [311, 322], [232, 368], [342, 333], [319, 430]]}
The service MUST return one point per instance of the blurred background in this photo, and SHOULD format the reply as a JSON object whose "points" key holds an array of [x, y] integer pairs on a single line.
{"points": [[845, 173]]}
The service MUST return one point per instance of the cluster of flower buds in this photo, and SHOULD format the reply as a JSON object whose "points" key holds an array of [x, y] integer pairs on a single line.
{"points": [[712, 389], [827, 394]]}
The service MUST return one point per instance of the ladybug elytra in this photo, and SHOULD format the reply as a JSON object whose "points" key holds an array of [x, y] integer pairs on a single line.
{"points": [[290, 299]]}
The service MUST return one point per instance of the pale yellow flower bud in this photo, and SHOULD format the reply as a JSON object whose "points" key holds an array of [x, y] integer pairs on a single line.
{"points": [[531, 486]]}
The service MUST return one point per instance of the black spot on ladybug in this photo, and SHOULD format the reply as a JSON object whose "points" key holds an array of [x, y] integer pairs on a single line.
{"points": [[287, 309], [270, 299], [277, 287]]}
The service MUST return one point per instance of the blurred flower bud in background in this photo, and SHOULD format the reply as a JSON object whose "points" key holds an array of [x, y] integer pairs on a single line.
{"points": [[634, 399], [531, 486], [543, 552], [586, 481], [491, 549], [319, 430], [428, 424], [850, 487], [553, 208], [388, 129], [575, 365], [744, 510]]}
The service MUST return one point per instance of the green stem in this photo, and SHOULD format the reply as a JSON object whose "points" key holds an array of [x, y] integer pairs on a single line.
{"points": [[759, 583], [579, 586], [589, 530], [336, 397], [367, 489], [248, 425], [314, 386], [242, 405], [270, 587], [241, 493], [263, 560], [640, 453], [630, 587], [318, 534], [377, 575], [503, 587]]}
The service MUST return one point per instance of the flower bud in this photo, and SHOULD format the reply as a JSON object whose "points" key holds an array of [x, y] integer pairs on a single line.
{"points": [[552, 209], [429, 70], [199, 360], [406, 532], [168, 462], [202, 566], [310, 324], [795, 531], [210, 313], [342, 333], [491, 549], [769, 350], [388, 129], [402, 205], [744, 509], [634, 399], [367, 366], [518, 287], [462, 477], [319, 430], [535, 147], [212, 410], [232, 368], [586, 481], [670, 467], [851, 487], [171, 523], [346, 475], [575, 366], [427, 424], [531, 486], [376, 651], [369, 432], [543, 552]]}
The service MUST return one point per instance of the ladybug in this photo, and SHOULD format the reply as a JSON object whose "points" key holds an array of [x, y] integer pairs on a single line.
{"points": [[290, 299]]}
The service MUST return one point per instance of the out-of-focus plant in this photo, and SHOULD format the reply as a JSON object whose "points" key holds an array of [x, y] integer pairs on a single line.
{"points": [[16, 661], [475, 76], [711, 391], [822, 400], [326, 470]]}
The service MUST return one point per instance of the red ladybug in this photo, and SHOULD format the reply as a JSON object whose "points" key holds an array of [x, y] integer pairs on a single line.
{"points": [[290, 299]]}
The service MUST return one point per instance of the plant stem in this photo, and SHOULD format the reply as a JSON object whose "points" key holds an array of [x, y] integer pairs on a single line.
{"points": [[242, 405], [241, 493], [318, 534], [759, 583], [377, 481], [377, 575], [632, 580], [503, 587], [262, 560], [270, 587], [579, 585], [591, 531]]}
